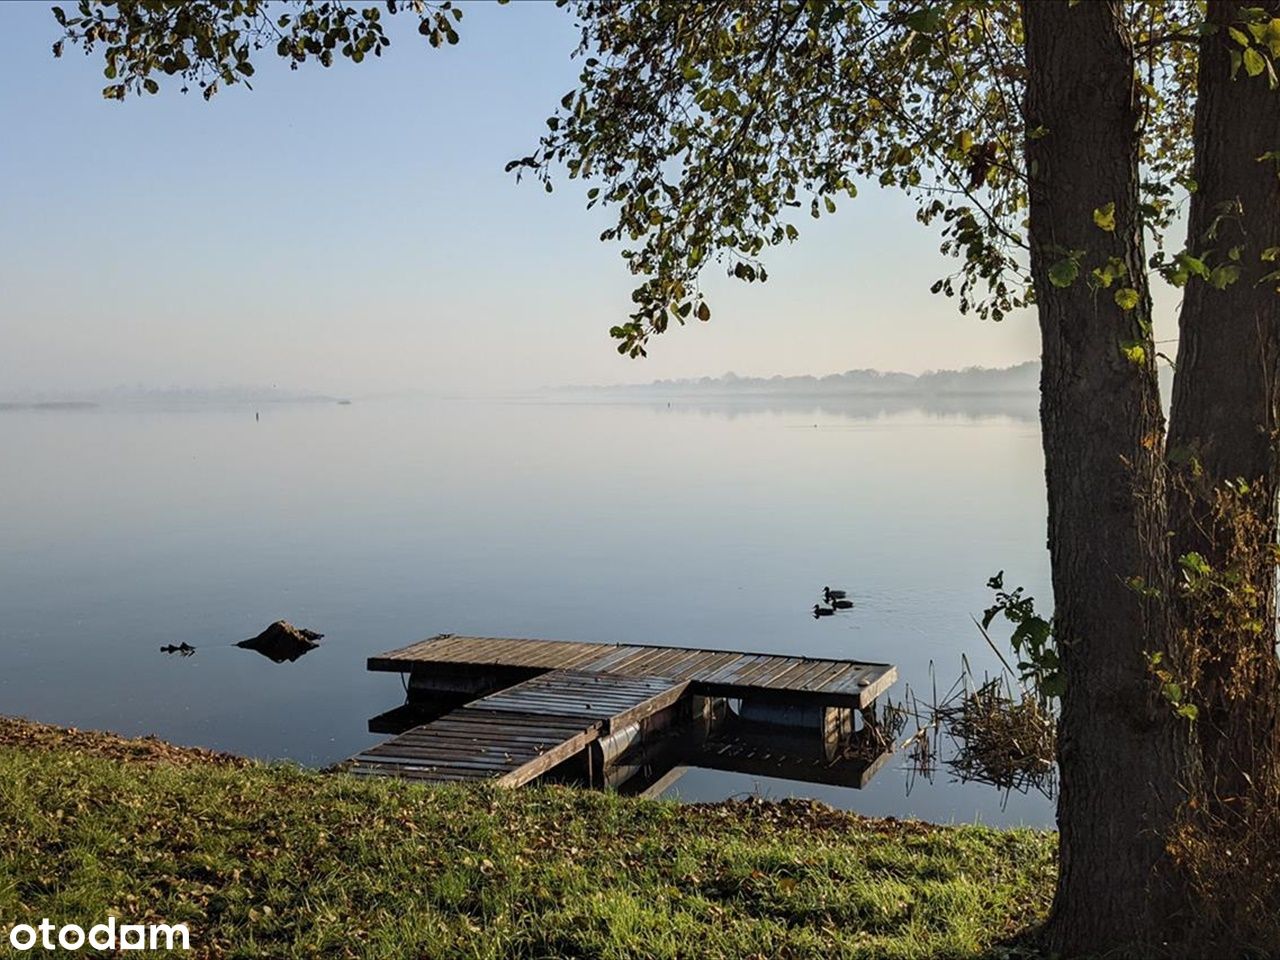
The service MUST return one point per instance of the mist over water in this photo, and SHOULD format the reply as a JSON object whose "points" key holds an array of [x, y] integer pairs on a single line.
{"points": [[698, 523]]}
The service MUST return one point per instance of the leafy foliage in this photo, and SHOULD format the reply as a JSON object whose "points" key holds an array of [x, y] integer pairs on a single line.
{"points": [[712, 127], [1174, 690], [1206, 681], [1222, 598], [1032, 639], [211, 44]]}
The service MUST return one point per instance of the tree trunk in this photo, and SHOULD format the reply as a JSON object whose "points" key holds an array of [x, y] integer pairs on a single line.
{"points": [[1121, 753], [1223, 421]]}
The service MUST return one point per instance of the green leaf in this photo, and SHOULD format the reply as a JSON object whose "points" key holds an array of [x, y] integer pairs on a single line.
{"points": [[1105, 217], [1194, 265], [1134, 352], [1194, 563], [1127, 298], [1223, 275], [1106, 275], [1188, 710], [1254, 64], [1064, 272], [926, 21]]}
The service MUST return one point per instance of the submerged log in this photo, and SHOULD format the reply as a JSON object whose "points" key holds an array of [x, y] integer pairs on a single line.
{"points": [[282, 642]]}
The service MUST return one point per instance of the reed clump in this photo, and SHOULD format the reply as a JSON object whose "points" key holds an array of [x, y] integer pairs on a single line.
{"points": [[1003, 738], [989, 731]]}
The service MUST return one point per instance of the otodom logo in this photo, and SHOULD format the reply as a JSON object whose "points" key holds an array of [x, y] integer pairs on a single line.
{"points": [[46, 935]]}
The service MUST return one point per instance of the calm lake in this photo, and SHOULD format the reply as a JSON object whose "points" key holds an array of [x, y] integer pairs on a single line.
{"points": [[700, 523]]}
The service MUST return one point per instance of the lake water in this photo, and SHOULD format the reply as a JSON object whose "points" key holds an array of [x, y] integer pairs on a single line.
{"points": [[699, 523]]}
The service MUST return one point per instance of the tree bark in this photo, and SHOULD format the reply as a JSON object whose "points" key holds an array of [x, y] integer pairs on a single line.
{"points": [[1121, 754], [1223, 420]]}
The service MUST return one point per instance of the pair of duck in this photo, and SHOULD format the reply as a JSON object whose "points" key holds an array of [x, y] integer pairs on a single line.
{"points": [[837, 600]]}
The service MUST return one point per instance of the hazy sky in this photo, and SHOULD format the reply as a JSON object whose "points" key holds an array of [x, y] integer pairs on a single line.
{"points": [[352, 230]]}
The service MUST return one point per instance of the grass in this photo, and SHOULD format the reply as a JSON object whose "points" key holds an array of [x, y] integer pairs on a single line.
{"points": [[278, 862]]}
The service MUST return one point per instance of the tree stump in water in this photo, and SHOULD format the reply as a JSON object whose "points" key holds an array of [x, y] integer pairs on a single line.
{"points": [[282, 642]]}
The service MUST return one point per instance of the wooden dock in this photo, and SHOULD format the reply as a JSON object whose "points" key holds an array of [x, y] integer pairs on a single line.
{"points": [[521, 732], [534, 705], [722, 673]]}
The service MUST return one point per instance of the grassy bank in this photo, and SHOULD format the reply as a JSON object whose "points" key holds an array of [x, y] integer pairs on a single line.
{"points": [[274, 862]]}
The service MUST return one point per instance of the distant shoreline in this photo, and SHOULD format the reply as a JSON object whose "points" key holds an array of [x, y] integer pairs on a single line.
{"points": [[167, 399], [49, 405], [1018, 380]]}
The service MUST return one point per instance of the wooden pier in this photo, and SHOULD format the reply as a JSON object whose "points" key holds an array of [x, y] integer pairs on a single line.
{"points": [[845, 683], [522, 732], [535, 706]]}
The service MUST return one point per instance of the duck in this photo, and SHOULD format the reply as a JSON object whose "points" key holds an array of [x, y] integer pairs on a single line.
{"points": [[820, 611], [828, 594], [842, 604]]}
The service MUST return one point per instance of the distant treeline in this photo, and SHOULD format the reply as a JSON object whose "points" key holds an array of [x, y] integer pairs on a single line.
{"points": [[1023, 378]]}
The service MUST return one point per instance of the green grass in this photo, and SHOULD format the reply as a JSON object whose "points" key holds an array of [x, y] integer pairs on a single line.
{"points": [[276, 862]]}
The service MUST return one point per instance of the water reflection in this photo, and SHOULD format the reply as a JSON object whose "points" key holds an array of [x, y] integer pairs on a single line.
{"points": [[1021, 406]]}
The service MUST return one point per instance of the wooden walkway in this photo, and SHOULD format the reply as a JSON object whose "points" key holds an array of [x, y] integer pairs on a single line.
{"points": [[843, 683], [518, 734]]}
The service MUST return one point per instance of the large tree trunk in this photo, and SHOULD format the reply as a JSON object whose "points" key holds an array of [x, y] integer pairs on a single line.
{"points": [[1223, 421], [1121, 753]]}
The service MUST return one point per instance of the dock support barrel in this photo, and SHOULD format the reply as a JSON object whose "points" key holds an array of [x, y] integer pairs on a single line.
{"points": [[832, 726]]}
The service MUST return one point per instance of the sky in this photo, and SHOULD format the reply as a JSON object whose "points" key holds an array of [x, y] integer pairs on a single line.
{"points": [[352, 231]]}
